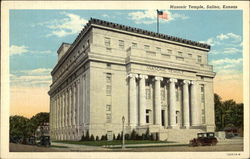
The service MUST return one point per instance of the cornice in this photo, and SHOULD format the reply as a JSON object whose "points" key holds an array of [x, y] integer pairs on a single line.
{"points": [[148, 33]]}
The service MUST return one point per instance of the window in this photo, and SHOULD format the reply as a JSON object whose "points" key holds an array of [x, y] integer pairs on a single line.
{"points": [[158, 49], [147, 115], [190, 55], [166, 56], [146, 47], [87, 42], [108, 65], [199, 59], [179, 53], [108, 118], [148, 93], [134, 45], [169, 51], [180, 58], [108, 77], [162, 94], [107, 42], [121, 44], [108, 107], [202, 94], [177, 94], [109, 135], [108, 50], [108, 90]]}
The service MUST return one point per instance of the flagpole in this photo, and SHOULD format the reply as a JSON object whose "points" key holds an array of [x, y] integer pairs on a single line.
{"points": [[157, 21]]}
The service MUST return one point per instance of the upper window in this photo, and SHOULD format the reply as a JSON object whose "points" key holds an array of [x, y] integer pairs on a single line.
{"points": [[108, 107], [107, 42], [179, 53], [199, 59], [158, 49], [169, 51], [121, 44], [134, 45], [108, 78], [189, 55], [146, 47], [148, 93]]}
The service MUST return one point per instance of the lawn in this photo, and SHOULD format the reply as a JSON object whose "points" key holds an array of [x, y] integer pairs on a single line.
{"points": [[114, 142]]}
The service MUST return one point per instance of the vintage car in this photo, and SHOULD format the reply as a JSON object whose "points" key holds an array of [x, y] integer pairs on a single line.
{"points": [[44, 141], [204, 139]]}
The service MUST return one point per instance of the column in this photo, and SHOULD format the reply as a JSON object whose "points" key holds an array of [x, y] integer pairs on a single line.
{"points": [[66, 107], [74, 105], [56, 113], [172, 103], [195, 112], [132, 100], [158, 100], [59, 112], [186, 115], [69, 106], [78, 106], [63, 109], [142, 93]]}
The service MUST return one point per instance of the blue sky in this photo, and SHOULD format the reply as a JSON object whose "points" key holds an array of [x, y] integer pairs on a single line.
{"points": [[35, 36]]}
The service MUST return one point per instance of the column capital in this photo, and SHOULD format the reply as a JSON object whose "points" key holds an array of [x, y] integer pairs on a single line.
{"points": [[132, 75], [158, 78], [172, 80], [192, 82], [186, 82], [143, 76]]}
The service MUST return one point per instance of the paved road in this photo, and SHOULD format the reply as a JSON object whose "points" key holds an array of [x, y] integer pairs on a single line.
{"points": [[235, 144]]}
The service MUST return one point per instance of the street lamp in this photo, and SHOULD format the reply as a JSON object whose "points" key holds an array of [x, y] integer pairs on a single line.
{"points": [[123, 139]]}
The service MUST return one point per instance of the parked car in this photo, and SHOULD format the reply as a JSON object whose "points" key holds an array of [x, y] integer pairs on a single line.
{"points": [[204, 139], [44, 141]]}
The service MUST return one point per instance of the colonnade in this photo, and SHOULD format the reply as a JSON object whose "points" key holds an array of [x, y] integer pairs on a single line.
{"points": [[65, 115], [191, 110]]}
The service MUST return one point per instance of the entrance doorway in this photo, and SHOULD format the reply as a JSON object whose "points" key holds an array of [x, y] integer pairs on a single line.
{"points": [[163, 117]]}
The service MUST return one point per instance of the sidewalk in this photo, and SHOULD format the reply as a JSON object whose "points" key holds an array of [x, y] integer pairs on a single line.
{"points": [[75, 147]]}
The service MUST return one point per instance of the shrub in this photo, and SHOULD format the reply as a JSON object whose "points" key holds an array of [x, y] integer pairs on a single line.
{"points": [[157, 138], [106, 137], [87, 138], [113, 136], [133, 135], [97, 138], [127, 137], [92, 138], [83, 137], [147, 135], [103, 137], [118, 137]]}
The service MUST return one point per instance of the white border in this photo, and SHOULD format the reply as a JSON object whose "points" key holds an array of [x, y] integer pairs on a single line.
{"points": [[7, 5]]}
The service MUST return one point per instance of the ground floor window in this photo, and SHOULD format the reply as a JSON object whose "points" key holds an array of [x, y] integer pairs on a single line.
{"points": [[109, 135]]}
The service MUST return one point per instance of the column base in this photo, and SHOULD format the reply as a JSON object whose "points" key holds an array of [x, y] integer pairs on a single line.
{"points": [[173, 127]]}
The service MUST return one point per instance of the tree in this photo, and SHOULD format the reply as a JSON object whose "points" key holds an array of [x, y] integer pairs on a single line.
{"points": [[228, 113], [18, 126]]}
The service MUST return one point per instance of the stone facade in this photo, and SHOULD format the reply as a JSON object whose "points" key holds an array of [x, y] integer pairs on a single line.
{"points": [[157, 82]]}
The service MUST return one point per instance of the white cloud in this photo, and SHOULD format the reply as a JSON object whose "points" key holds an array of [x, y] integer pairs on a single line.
{"points": [[31, 78], [150, 16], [232, 50], [72, 24], [229, 39], [17, 50], [14, 49], [235, 37], [226, 61]]}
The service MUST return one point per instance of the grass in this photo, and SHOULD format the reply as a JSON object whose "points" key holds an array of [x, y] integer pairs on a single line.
{"points": [[56, 146], [114, 142], [150, 146]]}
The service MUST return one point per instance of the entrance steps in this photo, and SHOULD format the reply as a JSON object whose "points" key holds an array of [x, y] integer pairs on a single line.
{"points": [[179, 135]]}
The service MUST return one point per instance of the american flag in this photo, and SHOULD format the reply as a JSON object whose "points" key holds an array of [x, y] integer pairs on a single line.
{"points": [[162, 15]]}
